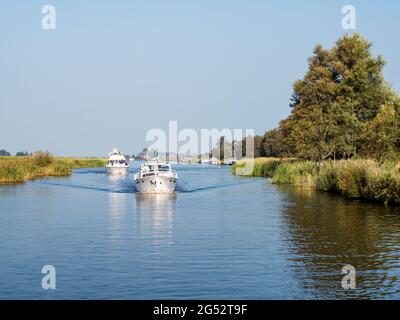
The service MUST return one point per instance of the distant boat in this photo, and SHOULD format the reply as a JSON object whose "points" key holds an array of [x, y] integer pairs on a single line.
{"points": [[117, 163], [230, 161], [155, 177], [214, 161]]}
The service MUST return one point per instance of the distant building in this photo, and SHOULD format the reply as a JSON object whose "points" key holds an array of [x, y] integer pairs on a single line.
{"points": [[140, 156]]}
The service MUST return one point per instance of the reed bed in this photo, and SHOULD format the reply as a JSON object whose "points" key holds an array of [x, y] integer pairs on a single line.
{"points": [[76, 163], [41, 164], [356, 179]]}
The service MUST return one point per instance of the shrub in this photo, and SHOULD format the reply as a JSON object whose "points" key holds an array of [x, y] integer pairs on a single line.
{"points": [[328, 176], [383, 187], [352, 179], [42, 158]]}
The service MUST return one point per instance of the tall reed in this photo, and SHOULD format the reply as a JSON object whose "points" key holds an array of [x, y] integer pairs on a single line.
{"points": [[41, 164], [357, 179]]}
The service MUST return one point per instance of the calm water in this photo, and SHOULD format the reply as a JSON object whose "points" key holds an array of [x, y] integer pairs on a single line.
{"points": [[219, 237]]}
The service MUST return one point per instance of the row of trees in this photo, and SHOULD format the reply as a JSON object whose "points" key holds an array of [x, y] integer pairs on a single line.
{"points": [[5, 153], [342, 108]]}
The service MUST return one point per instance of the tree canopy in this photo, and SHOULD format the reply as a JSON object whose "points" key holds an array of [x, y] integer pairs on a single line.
{"points": [[341, 108], [22, 154], [4, 153]]}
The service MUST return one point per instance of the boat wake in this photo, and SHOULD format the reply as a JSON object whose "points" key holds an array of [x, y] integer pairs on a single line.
{"points": [[130, 188], [123, 189], [185, 189], [125, 184]]}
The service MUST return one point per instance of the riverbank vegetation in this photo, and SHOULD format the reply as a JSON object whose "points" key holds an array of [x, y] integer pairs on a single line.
{"points": [[41, 164], [342, 109], [357, 179], [76, 163], [343, 129]]}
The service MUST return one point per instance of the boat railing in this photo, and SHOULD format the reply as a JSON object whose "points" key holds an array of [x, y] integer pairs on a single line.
{"points": [[142, 174]]}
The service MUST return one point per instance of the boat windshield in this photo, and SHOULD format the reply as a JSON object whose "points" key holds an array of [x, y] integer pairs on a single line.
{"points": [[147, 168], [163, 167], [116, 161]]}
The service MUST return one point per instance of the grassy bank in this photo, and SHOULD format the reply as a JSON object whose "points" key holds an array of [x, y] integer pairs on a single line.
{"points": [[357, 179], [76, 163], [20, 169]]}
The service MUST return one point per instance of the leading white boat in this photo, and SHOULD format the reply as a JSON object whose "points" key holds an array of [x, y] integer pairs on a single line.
{"points": [[117, 163], [155, 177]]}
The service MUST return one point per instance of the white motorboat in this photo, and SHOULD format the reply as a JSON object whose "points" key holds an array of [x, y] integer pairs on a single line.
{"points": [[214, 161], [230, 161], [117, 163], [155, 177]]}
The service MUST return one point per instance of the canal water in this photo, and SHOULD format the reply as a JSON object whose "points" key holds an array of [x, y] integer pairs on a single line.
{"points": [[218, 237]]}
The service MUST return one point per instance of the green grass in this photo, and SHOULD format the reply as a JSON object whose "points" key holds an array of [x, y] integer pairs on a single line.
{"points": [[357, 179], [260, 167], [84, 162], [300, 174], [42, 164]]}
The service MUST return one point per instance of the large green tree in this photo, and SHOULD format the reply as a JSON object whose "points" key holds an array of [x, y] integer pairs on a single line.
{"points": [[272, 144], [342, 91], [381, 134]]}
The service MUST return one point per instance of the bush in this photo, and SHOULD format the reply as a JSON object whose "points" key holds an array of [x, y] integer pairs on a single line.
{"points": [[327, 179], [383, 187], [42, 158], [352, 179]]}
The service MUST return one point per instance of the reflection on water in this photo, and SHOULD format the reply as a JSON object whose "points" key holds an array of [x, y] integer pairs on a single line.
{"points": [[116, 180], [155, 213], [325, 232], [228, 238], [117, 206], [117, 200]]}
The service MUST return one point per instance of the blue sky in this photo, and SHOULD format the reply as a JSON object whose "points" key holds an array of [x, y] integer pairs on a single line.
{"points": [[112, 70]]}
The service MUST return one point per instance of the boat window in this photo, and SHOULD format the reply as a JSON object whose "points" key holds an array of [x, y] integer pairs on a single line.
{"points": [[163, 168], [148, 174]]}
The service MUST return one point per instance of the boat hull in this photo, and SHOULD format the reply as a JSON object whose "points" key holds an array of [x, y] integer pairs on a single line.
{"points": [[156, 184], [117, 170]]}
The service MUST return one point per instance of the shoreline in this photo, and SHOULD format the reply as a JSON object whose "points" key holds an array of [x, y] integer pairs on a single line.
{"points": [[362, 179], [16, 170]]}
